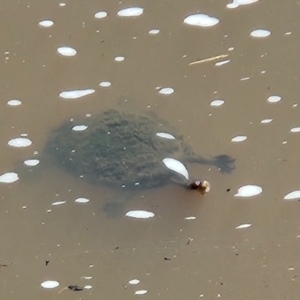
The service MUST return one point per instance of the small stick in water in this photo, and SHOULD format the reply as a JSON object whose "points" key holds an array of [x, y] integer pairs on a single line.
{"points": [[208, 59]]}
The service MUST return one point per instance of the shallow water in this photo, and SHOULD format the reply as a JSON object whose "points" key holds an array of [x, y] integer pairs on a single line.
{"points": [[235, 247]]}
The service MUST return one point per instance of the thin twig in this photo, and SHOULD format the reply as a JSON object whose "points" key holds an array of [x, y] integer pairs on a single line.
{"points": [[208, 59]]}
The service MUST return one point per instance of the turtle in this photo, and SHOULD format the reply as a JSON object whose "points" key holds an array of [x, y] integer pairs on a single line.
{"points": [[127, 150]]}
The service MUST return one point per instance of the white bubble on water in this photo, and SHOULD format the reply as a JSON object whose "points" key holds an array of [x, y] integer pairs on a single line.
{"points": [[131, 12], [244, 78], [232, 5], [176, 166], [245, 2], [82, 200], [295, 129], [66, 51], [154, 31], [260, 33], [14, 102], [165, 135], [46, 23], [201, 20], [9, 177], [266, 121], [19, 142], [237, 3], [273, 99], [190, 218], [134, 281], [87, 287], [141, 292], [217, 102], [140, 214], [119, 58], [49, 284], [58, 203], [62, 4], [221, 63], [294, 195], [242, 226], [79, 127], [31, 162], [166, 91], [75, 94], [105, 84], [100, 14], [239, 138], [248, 191]]}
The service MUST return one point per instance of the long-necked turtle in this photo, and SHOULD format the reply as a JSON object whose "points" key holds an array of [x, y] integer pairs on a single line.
{"points": [[126, 150]]}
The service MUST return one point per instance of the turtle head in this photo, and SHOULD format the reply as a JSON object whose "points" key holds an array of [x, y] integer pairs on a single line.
{"points": [[202, 186]]}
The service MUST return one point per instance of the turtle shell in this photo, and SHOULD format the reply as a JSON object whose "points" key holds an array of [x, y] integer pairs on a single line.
{"points": [[119, 149]]}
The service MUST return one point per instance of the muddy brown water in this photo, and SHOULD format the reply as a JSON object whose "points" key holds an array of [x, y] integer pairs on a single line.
{"points": [[172, 257]]}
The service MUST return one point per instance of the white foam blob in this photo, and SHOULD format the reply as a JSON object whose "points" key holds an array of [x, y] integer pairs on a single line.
{"points": [[62, 4], [87, 287], [154, 31], [100, 14], [190, 218], [82, 200], [176, 166], [75, 94], [105, 84], [260, 33], [295, 129], [217, 102], [244, 78], [58, 203], [248, 191], [292, 195], [19, 142], [131, 12], [31, 162], [14, 102], [266, 121], [119, 58], [237, 3], [140, 214], [141, 292], [274, 99], [46, 23], [239, 138], [166, 91], [232, 5], [223, 62], [165, 135], [66, 51], [134, 281], [9, 177], [49, 284], [242, 226], [245, 2], [79, 127], [201, 20]]}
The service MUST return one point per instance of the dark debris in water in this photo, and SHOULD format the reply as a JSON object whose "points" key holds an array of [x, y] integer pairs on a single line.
{"points": [[75, 288]]}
